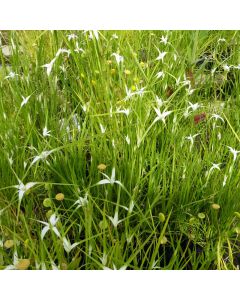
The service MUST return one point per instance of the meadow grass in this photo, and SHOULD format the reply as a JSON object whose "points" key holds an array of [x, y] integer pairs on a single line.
{"points": [[106, 147]]}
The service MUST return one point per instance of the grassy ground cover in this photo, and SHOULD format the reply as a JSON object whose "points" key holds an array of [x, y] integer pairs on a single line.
{"points": [[119, 150]]}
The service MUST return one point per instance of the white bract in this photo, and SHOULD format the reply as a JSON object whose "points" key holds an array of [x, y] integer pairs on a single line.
{"points": [[127, 139], [25, 100], [23, 188], [234, 152], [159, 101], [115, 220], [124, 111], [82, 201], [62, 50], [217, 117], [11, 75], [50, 226], [93, 34], [102, 128], [49, 66], [119, 58], [161, 55], [109, 180], [68, 246], [215, 166], [161, 116], [46, 132], [191, 106], [164, 40], [72, 36], [41, 156], [160, 74], [191, 139], [15, 262]]}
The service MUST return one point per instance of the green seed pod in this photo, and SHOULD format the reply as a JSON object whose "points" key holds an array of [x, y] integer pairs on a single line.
{"points": [[215, 206], [161, 217], [164, 240], [192, 220], [201, 216], [59, 197], [47, 202], [49, 213], [103, 224]]}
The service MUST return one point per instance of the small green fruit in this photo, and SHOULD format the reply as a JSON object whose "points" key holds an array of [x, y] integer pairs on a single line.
{"points": [[201, 216], [161, 217], [47, 202]]}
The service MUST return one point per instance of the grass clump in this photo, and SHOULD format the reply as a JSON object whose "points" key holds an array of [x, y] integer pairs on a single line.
{"points": [[119, 150]]}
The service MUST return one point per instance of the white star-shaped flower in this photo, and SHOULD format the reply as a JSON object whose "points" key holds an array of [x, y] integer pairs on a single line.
{"points": [[50, 226], [109, 180], [49, 66], [46, 132], [41, 156], [23, 188], [25, 100], [119, 58], [161, 116], [161, 55], [234, 152]]}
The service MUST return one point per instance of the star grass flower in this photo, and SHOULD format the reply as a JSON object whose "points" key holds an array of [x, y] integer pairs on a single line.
{"points": [[49, 66], [82, 201], [25, 100], [191, 139], [46, 132], [234, 152], [160, 102], [161, 55], [221, 40], [93, 34], [50, 226], [226, 68], [127, 140], [215, 166], [123, 111], [61, 51], [109, 180], [164, 40], [161, 116], [216, 117], [15, 262], [42, 156], [11, 75], [160, 74], [78, 49], [115, 36], [71, 36], [102, 128], [23, 188], [115, 221], [119, 58], [68, 247]]}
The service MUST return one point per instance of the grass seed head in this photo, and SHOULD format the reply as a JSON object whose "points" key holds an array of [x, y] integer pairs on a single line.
{"points": [[59, 197], [161, 217], [215, 206], [9, 244], [47, 202], [164, 240], [23, 264], [201, 216], [101, 167]]}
